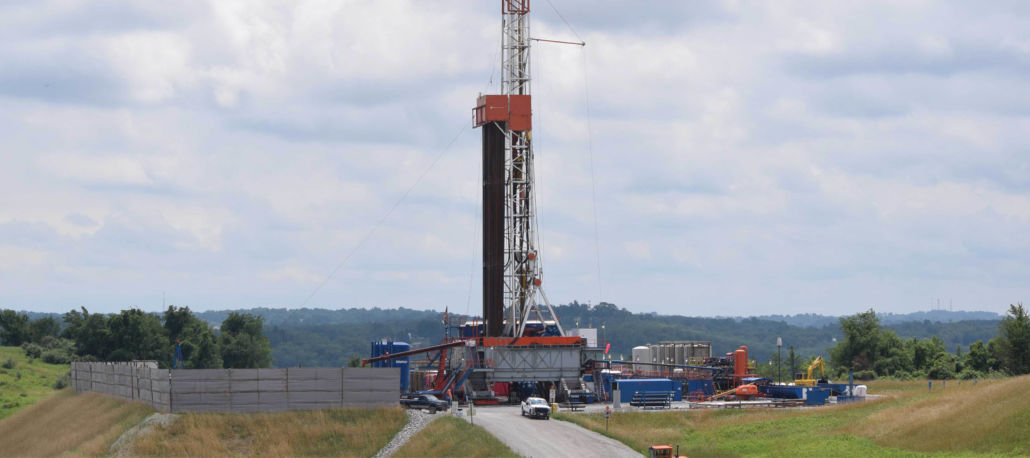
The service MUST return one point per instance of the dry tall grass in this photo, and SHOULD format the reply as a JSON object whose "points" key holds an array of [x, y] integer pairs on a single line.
{"points": [[992, 416], [451, 436], [336, 432], [69, 424]]}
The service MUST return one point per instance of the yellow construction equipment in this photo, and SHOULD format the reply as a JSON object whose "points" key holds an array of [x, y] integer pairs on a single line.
{"points": [[799, 380]]}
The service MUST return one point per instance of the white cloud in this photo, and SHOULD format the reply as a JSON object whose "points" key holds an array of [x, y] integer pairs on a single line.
{"points": [[759, 156]]}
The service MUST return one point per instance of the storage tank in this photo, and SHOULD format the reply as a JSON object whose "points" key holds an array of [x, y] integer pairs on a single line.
{"points": [[654, 354], [680, 358], [641, 354], [740, 361]]}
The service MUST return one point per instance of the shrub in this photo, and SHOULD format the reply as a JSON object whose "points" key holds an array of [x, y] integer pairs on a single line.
{"points": [[10, 363], [32, 350], [865, 375], [969, 374], [57, 357], [62, 381]]}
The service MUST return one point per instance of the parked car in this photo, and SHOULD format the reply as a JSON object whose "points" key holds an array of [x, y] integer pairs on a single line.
{"points": [[536, 407], [425, 401]]}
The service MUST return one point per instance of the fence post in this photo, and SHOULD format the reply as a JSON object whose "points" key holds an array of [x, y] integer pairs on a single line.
{"points": [[171, 389]]}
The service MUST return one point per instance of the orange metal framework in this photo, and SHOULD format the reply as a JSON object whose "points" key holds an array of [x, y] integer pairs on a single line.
{"points": [[513, 109]]}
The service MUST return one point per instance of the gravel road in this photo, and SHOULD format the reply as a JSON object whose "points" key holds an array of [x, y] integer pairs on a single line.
{"points": [[546, 438], [417, 420]]}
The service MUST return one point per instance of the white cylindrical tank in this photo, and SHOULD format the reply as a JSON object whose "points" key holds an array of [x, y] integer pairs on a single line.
{"points": [[641, 354], [680, 355]]}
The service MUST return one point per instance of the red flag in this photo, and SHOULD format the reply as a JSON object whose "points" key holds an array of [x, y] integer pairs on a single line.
{"points": [[606, 348]]}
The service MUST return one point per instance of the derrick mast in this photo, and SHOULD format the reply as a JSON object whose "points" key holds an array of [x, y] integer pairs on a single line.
{"points": [[511, 261]]}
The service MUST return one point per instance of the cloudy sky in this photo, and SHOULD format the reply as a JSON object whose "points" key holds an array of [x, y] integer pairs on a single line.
{"points": [[748, 157]]}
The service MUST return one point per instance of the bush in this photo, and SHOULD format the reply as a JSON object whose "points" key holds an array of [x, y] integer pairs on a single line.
{"points": [[32, 350], [865, 375], [10, 363], [57, 357], [63, 381], [969, 374]]}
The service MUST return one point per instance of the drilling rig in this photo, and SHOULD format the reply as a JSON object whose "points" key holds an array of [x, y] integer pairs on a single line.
{"points": [[507, 353], [512, 283]]}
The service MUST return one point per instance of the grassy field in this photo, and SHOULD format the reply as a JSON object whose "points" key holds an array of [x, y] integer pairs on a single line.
{"points": [[27, 382], [451, 436], [69, 423], [337, 432], [992, 417]]}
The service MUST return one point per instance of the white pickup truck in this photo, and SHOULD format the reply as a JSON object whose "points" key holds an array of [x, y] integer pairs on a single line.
{"points": [[536, 407]]}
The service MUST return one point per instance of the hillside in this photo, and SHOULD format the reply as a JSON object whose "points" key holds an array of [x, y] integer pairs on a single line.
{"points": [[69, 423], [321, 337], [990, 418], [336, 432], [26, 382], [326, 344]]}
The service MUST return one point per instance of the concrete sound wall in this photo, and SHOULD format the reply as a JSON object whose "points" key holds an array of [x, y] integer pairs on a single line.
{"points": [[241, 390], [131, 381]]}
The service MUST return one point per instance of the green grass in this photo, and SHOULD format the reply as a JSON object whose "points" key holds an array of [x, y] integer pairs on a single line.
{"points": [[990, 418], [331, 432], [449, 436], [27, 382]]}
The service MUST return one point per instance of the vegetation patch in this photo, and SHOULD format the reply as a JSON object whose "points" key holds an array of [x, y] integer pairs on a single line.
{"points": [[337, 432], [24, 381], [69, 423], [450, 436], [910, 420]]}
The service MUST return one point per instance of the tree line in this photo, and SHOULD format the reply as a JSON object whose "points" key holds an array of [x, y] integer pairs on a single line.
{"points": [[870, 350], [136, 335]]}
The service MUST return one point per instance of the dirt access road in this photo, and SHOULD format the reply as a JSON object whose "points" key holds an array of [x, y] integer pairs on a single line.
{"points": [[546, 438]]}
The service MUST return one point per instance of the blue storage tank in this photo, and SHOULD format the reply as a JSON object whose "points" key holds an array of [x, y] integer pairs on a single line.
{"points": [[387, 347], [629, 386]]}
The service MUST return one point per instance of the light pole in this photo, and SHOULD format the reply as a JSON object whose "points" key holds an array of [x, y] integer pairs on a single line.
{"points": [[604, 336], [779, 360]]}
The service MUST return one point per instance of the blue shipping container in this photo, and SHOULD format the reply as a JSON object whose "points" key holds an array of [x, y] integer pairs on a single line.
{"points": [[383, 348], [816, 396], [701, 388], [628, 387]]}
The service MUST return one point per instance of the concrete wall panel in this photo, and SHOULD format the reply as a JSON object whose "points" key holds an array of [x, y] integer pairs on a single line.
{"points": [[199, 374], [200, 386]]}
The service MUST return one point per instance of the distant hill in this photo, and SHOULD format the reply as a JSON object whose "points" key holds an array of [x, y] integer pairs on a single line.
{"points": [[321, 317], [943, 316], [323, 337]]}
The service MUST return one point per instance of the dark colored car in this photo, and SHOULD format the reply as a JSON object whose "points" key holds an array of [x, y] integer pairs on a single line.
{"points": [[425, 401]]}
